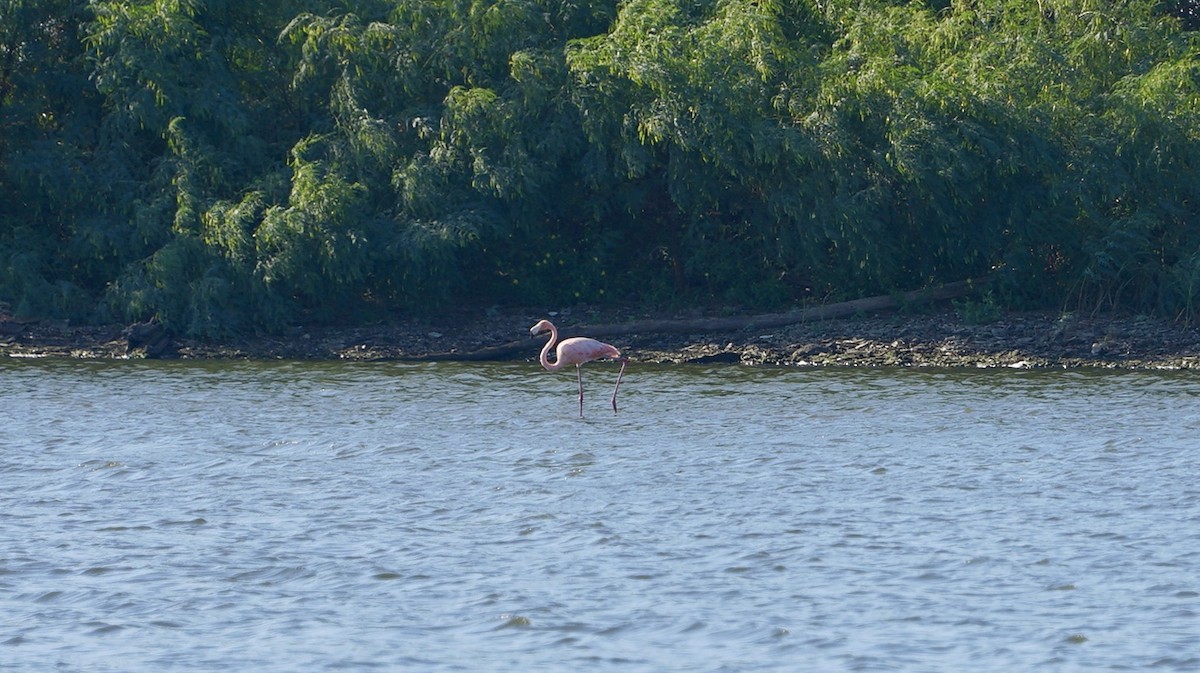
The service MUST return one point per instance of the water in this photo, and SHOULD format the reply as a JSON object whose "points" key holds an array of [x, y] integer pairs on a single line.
{"points": [[281, 517]]}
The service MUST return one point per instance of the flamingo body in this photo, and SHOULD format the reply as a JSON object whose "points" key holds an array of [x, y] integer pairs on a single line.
{"points": [[576, 351]]}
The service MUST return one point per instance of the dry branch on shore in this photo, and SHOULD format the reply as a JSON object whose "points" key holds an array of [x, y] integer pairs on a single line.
{"points": [[730, 324]]}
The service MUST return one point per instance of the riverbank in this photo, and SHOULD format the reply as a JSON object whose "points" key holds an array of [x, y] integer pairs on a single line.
{"points": [[940, 338]]}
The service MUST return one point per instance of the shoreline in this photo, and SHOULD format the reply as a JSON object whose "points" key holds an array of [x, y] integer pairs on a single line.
{"points": [[937, 338]]}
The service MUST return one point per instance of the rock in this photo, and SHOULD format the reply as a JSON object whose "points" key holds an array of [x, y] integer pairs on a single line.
{"points": [[728, 357], [148, 339]]}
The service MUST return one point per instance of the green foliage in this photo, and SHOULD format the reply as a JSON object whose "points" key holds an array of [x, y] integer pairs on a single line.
{"points": [[978, 312], [229, 167]]}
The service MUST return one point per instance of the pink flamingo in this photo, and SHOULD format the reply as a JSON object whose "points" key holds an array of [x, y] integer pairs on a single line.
{"points": [[576, 351]]}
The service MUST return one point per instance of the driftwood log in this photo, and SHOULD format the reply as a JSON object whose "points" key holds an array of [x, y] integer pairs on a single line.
{"points": [[526, 347]]}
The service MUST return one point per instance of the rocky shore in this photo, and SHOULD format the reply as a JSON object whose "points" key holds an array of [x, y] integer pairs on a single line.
{"points": [[938, 338]]}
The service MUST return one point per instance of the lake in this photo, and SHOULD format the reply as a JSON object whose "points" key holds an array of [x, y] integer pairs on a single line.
{"points": [[301, 516]]}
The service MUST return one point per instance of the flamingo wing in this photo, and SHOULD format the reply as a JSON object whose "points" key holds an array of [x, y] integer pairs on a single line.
{"points": [[578, 350]]}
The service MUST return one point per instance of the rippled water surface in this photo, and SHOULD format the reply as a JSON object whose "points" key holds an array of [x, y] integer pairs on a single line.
{"points": [[297, 517]]}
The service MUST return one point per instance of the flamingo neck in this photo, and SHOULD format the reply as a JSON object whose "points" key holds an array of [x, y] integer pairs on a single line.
{"points": [[544, 358]]}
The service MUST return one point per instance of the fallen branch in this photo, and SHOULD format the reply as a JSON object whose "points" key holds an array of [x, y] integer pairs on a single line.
{"points": [[526, 347]]}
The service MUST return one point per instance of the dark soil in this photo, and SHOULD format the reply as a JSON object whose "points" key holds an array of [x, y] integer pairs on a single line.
{"points": [[941, 339]]}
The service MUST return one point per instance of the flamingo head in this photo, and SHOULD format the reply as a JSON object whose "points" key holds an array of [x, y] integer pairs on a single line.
{"points": [[541, 327]]}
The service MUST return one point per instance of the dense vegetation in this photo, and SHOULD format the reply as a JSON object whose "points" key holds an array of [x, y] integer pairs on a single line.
{"points": [[225, 166]]}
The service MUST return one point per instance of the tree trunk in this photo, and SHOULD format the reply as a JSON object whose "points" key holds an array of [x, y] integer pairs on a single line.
{"points": [[524, 348]]}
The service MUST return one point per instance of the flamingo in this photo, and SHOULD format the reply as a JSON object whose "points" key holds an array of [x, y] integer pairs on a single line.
{"points": [[576, 351]]}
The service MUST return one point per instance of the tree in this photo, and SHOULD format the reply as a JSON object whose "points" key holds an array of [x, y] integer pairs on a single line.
{"points": [[226, 166], [47, 136]]}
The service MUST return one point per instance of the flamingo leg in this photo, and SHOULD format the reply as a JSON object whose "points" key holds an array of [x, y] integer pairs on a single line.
{"points": [[624, 361], [579, 373]]}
